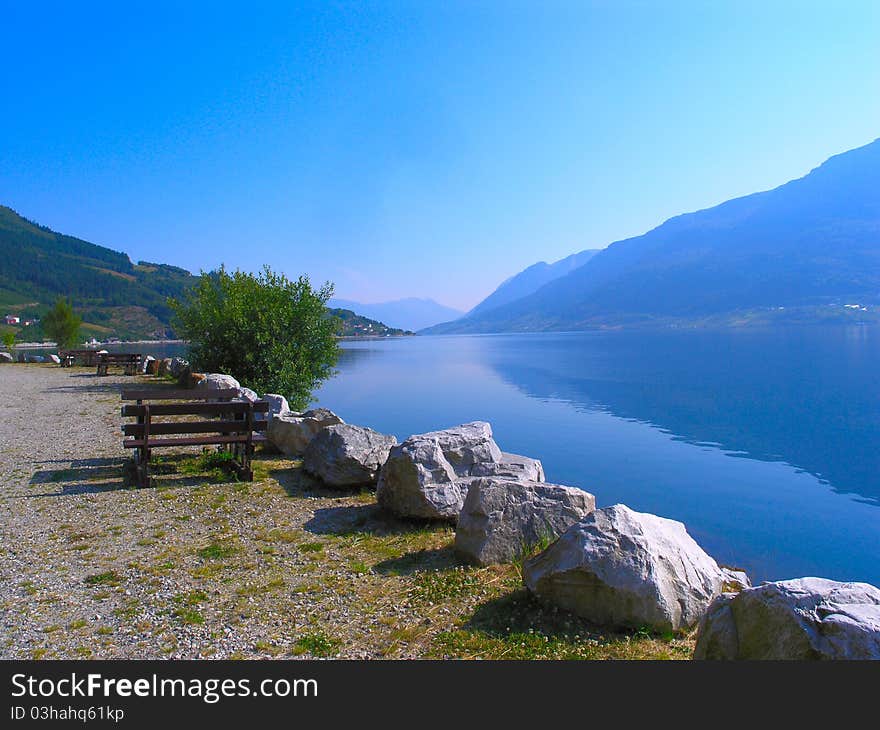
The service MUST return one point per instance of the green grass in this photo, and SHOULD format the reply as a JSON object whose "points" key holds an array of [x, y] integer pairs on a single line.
{"points": [[189, 615], [217, 551], [218, 466], [448, 585], [110, 578], [317, 644]]}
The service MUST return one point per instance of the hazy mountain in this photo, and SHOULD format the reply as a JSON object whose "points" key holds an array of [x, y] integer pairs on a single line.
{"points": [[408, 314], [801, 247], [530, 280]]}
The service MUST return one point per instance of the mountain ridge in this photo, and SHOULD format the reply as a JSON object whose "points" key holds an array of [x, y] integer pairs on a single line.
{"points": [[805, 244]]}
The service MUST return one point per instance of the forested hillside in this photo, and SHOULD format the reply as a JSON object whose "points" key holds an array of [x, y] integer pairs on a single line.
{"points": [[114, 295]]}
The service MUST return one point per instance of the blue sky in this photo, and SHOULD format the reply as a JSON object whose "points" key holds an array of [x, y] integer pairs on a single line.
{"points": [[416, 148]]}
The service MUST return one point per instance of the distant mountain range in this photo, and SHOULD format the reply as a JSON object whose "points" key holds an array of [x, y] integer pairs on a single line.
{"points": [[802, 251], [114, 296], [408, 314], [530, 280]]}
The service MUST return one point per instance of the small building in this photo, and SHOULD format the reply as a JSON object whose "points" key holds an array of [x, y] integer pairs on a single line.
{"points": [[11, 319]]}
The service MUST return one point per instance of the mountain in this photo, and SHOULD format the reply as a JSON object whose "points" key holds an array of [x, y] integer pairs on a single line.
{"points": [[354, 325], [408, 314], [802, 251], [114, 296], [530, 280]]}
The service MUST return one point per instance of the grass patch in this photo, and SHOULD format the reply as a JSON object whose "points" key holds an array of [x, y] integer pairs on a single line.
{"points": [[217, 551], [317, 644], [310, 547], [217, 466], [110, 578], [189, 615], [447, 585]]}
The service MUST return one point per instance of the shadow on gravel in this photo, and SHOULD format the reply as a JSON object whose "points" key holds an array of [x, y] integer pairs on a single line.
{"points": [[296, 482], [85, 476], [360, 519], [90, 384], [520, 613], [420, 561]]}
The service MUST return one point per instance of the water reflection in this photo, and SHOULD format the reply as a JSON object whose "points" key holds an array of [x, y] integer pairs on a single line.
{"points": [[807, 397]]}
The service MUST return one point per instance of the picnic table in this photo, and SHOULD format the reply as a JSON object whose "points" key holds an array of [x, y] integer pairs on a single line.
{"points": [[130, 362]]}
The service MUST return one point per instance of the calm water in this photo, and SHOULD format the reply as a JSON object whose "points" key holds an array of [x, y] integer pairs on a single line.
{"points": [[765, 444]]}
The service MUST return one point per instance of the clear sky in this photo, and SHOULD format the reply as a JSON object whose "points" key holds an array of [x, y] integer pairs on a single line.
{"points": [[419, 148]]}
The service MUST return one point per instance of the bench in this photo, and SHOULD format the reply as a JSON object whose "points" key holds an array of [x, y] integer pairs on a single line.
{"points": [[231, 424], [88, 358], [130, 362]]}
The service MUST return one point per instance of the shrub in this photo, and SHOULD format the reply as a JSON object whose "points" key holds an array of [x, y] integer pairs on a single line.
{"points": [[273, 334]]}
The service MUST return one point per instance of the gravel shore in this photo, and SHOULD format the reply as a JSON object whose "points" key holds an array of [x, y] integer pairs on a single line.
{"points": [[92, 567]]}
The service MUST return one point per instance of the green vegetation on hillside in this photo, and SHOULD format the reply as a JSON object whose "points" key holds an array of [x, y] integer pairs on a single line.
{"points": [[113, 295], [353, 325]]}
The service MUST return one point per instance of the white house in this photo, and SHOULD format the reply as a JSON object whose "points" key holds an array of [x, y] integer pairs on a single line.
{"points": [[10, 319]]}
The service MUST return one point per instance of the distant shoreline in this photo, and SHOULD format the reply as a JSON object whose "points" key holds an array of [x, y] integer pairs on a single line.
{"points": [[50, 345]]}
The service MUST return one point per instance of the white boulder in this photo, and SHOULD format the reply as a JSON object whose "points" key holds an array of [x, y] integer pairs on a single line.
{"points": [[502, 519], [217, 381], [618, 567], [805, 618], [291, 432], [343, 455]]}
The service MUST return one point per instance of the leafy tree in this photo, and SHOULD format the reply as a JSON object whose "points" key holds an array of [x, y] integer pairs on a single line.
{"points": [[62, 324], [273, 334], [9, 340]]}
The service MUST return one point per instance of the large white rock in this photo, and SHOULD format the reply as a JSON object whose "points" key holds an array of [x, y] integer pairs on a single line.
{"points": [[6, 357], [427, 476], [510, 466], [343, 455], [618, 567], [277, 404], [466, 446], [54, 358], [805, 618], [217, 381], [502, 519], [291, 432]]}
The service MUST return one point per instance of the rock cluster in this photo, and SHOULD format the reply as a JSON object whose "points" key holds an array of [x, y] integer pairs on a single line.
{"points": [[428, 475]]}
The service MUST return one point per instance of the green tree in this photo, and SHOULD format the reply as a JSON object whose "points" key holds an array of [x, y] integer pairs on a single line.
{"points": [[273, 334], [62, 324], [9, 340]]}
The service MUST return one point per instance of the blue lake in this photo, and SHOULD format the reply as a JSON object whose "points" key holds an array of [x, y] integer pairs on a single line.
{"points": [[766, 444]]}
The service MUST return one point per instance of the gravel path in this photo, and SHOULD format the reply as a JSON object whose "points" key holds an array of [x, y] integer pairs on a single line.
{"points": [[92, 567]]}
